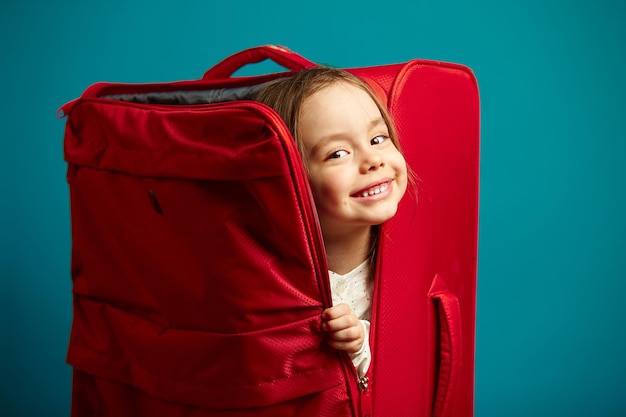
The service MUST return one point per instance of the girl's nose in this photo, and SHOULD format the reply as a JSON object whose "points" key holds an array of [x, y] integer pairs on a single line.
{"points": [[372, 161]]}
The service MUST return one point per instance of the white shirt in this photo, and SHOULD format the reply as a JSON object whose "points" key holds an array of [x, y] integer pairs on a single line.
{"points": [[355, 290]]}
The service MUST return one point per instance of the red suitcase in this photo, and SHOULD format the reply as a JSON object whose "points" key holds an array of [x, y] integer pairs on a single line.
{"points": [[198, 270]]}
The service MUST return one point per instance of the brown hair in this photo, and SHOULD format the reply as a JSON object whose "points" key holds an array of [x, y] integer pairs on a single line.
{"points": [[286, 96]]}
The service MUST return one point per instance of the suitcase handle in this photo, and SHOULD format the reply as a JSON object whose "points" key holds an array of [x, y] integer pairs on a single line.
{"points": [[279, 54], [449, 312]]}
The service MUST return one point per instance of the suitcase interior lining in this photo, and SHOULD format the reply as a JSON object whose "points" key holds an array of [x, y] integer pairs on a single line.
{"points": [[183, 97]]}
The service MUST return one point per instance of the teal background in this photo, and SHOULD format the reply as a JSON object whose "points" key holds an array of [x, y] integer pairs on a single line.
{"points": [[551, 317]]}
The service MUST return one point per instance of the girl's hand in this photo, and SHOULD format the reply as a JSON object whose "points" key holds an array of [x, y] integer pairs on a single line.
{"points": [[344, 329]]}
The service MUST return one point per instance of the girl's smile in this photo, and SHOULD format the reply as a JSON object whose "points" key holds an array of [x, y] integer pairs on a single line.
{"points": [[380, 190]]}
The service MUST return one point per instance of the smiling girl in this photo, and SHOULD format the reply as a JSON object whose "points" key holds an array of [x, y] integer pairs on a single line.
{"points": [[357, 176]]}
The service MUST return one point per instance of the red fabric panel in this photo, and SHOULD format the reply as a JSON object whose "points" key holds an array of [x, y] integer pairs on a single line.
{"points": [[436, 110]]}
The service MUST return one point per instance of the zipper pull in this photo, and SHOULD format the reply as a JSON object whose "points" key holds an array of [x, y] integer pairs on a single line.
{"points": [[364, 383], [365, 399], [66, 109]]}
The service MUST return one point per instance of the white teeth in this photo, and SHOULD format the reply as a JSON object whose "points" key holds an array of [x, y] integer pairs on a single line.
{"points": [[375, 190]]}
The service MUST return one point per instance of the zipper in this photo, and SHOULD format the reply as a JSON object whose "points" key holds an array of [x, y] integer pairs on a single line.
{"points": [[361, 390], [364, 383]]}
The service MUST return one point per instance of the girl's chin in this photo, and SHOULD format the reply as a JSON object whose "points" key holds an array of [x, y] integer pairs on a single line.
{"points": [[337, 225]]}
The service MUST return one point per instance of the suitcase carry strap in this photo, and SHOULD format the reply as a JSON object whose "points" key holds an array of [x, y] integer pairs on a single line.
{"points": [[450, 348], [222, 72], [279, 54]]}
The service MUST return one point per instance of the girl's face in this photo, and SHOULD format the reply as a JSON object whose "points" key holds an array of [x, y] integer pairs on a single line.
{"points": [[356, 173]]}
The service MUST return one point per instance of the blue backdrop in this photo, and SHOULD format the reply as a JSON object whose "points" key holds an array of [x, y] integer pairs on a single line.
{"points": [[550, 324]]}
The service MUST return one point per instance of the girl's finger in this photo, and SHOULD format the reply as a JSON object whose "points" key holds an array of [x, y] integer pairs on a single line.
{"points": [[340, 323], [336, 311], [346, 335]]}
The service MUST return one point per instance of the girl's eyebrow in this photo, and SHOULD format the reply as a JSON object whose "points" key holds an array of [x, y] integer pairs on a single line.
{"points": [[378, 122]]}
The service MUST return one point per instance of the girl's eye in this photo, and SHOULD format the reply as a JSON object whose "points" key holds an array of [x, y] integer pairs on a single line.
{"points": [[377, 140], [339, 153]]}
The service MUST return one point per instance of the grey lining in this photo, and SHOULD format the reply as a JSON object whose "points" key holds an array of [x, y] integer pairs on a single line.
{"points": [[189, 96]]}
